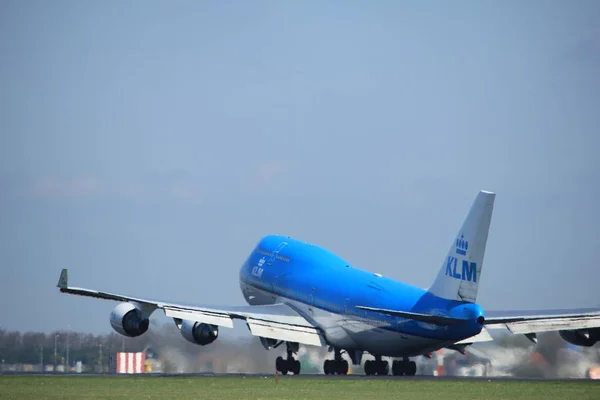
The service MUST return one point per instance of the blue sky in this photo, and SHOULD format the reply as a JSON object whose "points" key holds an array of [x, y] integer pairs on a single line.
{"points": [[147, 146]]}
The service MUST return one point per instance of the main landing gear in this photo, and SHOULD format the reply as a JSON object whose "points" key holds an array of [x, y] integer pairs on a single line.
{"points": [[377, 366], [336, 366], [399, 367], [404, 367], [289, 364]]}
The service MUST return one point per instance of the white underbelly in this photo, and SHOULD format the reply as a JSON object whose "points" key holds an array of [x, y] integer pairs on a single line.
{"points": [[347, 332]]}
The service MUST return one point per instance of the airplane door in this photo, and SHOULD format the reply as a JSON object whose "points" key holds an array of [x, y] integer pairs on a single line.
{"points": [[311, 299]]}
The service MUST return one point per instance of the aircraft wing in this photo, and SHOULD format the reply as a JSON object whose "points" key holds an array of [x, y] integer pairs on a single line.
{"points": [[536, 321], [277, 321]]}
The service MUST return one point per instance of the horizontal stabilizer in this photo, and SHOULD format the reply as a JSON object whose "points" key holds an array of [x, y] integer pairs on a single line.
{"points": [[432, 319]]}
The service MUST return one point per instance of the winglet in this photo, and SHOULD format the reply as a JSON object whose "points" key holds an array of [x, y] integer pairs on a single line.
{"points": [[63, 280]]}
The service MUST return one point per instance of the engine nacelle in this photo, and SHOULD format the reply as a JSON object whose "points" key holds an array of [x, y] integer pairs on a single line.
{"points": [[267, 343], [198, 332], [129, 320], [581, 337]]}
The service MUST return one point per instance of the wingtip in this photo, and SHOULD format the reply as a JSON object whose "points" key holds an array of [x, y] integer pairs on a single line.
{"points": [[488, 196], [63, 281]]}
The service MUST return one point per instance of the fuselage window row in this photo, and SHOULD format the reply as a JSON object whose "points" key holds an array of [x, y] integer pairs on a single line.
{"points": [[270, 254]]}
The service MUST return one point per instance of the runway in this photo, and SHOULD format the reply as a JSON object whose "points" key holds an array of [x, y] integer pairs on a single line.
{"points": [[308, 376]]}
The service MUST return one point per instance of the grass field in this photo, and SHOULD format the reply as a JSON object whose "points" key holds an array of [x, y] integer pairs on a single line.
{"points": [[180, 388]]}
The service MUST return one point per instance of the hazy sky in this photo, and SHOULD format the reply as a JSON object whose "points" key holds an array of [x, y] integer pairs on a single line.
{"points": [[147, 146]]}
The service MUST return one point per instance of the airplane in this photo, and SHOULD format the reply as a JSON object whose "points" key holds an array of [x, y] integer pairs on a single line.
{"points": [[298, 293]]}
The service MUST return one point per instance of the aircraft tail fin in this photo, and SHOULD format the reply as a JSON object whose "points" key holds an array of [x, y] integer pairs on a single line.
{"points": [[459, 275]]}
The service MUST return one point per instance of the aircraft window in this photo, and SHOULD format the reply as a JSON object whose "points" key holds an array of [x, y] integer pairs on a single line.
{"points": [[269, 254], [264, 252]]}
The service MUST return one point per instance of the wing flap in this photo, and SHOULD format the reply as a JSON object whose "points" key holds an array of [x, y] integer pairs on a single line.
{"points": [[288, 333]]}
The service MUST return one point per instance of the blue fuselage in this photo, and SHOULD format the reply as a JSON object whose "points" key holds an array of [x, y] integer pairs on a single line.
{"points": [[326, 289]]}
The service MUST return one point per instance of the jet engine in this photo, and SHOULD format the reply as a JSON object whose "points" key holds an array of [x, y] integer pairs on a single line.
{"points": [[581, 337], [198, 332], [129, 320]]}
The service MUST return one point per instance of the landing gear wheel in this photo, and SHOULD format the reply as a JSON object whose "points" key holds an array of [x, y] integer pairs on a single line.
{"points": [[404, 367], [377, 367], [412, 368], [289, 364], [296, 367], [342, 367], [396, 368], [281, 365], [336, 366], [369, 367], [384, 368], [332, 367]]}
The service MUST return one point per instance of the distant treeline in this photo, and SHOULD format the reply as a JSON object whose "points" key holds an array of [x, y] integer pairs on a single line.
{"points": [[39, 348], [162, 342]]}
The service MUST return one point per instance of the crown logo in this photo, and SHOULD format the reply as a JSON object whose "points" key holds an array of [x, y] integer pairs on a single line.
{"points": [[462, 245]]}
